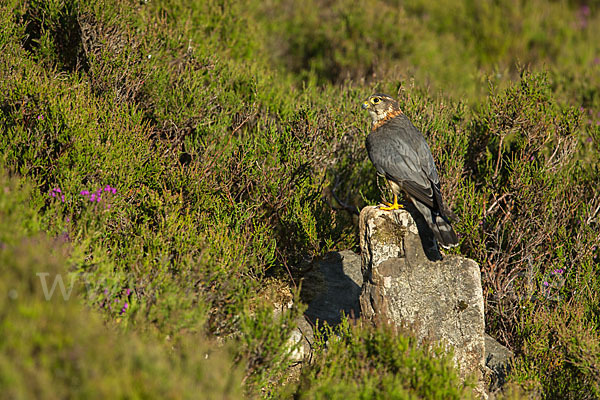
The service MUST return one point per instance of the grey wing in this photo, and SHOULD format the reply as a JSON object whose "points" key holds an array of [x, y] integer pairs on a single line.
{"points": [[401, 154]]}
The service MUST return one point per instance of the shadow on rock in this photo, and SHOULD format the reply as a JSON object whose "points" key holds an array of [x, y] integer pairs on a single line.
{"points": [[332, 288]]}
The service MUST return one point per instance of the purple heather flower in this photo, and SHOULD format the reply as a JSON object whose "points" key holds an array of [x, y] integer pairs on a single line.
{"points": [[55, 192], [40, 117], [93, 197], [127, 292], [105, 291], [581, 109], [124, 309], [85, 193], [585, 10], [546, 283], [589, 139]]}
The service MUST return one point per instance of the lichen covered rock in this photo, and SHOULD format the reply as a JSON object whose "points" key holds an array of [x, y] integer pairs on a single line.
{"points": [[407, 283]]}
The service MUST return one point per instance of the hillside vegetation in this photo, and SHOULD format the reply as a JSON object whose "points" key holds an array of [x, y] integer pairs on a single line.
{"points": [[177, 162]]}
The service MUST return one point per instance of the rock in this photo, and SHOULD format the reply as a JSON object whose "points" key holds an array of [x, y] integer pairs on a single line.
{"points": [[303, 337], [497, 359], [403, 286], [332, 287]]}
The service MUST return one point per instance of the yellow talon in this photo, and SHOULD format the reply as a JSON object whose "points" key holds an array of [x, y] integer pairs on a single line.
{"points": [[393, 206]]}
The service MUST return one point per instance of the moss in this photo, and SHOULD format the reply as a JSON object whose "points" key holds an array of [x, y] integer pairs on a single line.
{"points": [[389, 232]]}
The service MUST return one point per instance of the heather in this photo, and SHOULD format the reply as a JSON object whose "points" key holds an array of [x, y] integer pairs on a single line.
{"points": [[179, 163]]}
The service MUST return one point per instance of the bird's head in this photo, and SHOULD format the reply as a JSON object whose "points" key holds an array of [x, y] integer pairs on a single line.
{"points": [[382, 108]]}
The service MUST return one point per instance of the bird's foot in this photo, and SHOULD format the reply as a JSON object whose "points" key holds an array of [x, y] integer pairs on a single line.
{"points": [[391, 207]]}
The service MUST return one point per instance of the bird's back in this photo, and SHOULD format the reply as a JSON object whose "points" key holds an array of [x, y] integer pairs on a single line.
{"points": [[399, 137]]}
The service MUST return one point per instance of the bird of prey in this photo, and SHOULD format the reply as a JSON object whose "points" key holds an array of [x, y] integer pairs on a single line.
{"points": [[401, 155]]}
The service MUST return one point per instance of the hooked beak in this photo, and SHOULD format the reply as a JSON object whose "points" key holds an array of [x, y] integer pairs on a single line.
{"points": [[365, 105]]}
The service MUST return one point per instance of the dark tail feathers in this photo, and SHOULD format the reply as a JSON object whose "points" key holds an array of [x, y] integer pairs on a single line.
{"points": [[442, 230]]}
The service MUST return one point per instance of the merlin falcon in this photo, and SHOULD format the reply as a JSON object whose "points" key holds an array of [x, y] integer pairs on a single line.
{"points": [[401, 155]]}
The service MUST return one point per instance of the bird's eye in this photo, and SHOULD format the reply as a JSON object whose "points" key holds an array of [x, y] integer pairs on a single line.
{"points": [[375, 100]]}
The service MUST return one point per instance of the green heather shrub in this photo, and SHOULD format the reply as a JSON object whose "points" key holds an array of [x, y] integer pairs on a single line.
{"points": [[451, 46], [561, 351], [54, 347], [535, 235], [189, 157], [537, 202], [354, 361]]}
